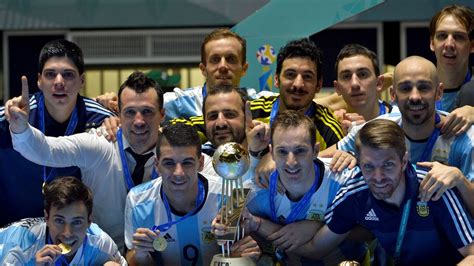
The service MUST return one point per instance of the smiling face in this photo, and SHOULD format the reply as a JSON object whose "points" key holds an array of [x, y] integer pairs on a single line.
{"points": [[293, 156], [357, 82], [179, 168], [60, 83], [298, 83], [224, 118], [415, 90], [140, 117], [383, 172], [68, 225], [451, 43], [224, 62]]}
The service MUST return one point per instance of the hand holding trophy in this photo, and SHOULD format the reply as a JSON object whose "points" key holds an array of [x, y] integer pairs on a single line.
{"points": [[231, 161]]}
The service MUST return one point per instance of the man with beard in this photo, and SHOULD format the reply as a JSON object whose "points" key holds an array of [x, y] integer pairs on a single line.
{"points": [[299, 77], [415, 90], [109, 169], [384, 198]]}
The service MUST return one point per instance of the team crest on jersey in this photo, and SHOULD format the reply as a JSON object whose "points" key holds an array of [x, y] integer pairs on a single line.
{"points": [[207, 236], [422, 209], [315, 215]]}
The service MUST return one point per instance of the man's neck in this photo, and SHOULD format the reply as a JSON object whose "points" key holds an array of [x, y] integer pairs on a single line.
{"points": [[452, 77], [183, 202], [59, 114], [399, 193], [420, 132], [368, 111]]}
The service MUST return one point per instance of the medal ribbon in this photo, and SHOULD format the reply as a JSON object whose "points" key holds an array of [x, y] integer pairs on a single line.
{"points": [[382, 110], [199, 200], [303, 203], [123, 158], [69, 130], [62, 260], [402, 229], [276, 105], [425, 156]]}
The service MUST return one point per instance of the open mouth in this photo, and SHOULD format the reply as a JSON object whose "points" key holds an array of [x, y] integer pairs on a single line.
{"points": [[292, 171], [59, 95], [418, 107]]}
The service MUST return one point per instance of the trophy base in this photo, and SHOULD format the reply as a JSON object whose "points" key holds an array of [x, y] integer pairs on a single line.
{"points": [[219, 260]]}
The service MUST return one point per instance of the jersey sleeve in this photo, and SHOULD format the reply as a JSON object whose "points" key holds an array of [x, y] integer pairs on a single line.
{"points": [[454, 220], [183, 103], [258, 202], [461, 154]]}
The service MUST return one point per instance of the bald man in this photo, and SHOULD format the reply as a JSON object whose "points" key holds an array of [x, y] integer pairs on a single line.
{"points": [[449, 161]]}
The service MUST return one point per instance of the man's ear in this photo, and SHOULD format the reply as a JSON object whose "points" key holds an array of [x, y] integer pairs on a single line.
{"points": [[319, 85], [392, 93], [316, 150], [270, 149], [380, 80], [405, 161], [244, 68], [201, 163], [439, 91], [276, 81], [202, 67], [337, 87]]}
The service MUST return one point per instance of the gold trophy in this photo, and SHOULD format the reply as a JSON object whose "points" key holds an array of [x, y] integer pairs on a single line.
{"points": [[231, 161]]}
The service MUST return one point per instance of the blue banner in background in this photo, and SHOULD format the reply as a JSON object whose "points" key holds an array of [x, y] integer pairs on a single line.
{"points": [[280, 21]]}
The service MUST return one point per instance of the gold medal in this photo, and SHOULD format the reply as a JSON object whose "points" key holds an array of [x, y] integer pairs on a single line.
{"points": [[160, 244], [422, 209], [65, 248], [42, 187]]}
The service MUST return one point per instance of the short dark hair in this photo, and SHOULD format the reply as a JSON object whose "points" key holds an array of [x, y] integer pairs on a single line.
{"points": [[61, 48], [222, 89], [292, 118], [381, 134], [354, 49], [223, 33], [66, 190], [301, 48], [140, 82], [179, 135], [463, 14]]}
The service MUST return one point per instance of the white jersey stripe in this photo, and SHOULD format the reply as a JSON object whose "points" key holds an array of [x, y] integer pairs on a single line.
{"points": [[461, 225]]}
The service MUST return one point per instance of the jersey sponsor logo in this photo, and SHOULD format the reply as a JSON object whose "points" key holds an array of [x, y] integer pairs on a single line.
{"points": [[371, 216]]}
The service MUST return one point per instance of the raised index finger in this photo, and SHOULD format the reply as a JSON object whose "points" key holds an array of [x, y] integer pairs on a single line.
{"points": [[24, 90]]}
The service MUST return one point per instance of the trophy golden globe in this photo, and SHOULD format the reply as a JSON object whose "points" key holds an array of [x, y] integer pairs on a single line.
{"points": [[231, 161]]}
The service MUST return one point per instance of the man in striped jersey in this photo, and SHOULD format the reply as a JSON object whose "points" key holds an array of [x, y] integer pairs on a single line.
{"points": [[57, 110], [299, 78], [385, 200]]}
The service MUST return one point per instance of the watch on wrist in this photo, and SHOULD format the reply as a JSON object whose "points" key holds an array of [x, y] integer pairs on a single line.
{"points": [[259, 154]]}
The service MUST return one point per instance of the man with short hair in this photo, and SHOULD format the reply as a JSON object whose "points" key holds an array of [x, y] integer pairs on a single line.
{"points": [[452, 40], [290, 219], [385, 200], [177, 209], [415, 90], [109, 169], [57, 110], [65, 235], [223, 62], [359, 82], [299, 77]]}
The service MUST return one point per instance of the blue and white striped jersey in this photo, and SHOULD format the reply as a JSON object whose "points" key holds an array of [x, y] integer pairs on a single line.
{"points": [[190, 242], [20, 241]]}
